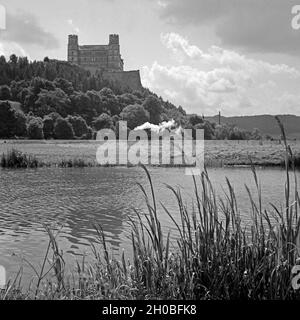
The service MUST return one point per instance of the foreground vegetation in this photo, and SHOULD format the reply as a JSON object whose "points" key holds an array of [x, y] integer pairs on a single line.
{"points": [[215, 257]]}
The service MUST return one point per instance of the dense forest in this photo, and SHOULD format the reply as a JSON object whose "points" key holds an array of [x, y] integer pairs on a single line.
{"points": [[54, 99]]}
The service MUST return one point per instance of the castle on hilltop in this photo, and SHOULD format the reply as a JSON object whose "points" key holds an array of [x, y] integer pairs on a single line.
{"points": [[105, 59]]}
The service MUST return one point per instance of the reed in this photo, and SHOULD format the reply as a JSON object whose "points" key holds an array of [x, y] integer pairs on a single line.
{"points": [[16, 159], [215, 255]]}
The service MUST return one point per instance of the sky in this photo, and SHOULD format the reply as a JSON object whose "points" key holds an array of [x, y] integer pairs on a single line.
{"points": [[240, 57]]}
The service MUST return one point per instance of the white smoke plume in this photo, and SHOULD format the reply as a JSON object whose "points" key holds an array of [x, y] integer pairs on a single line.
{"points": [[165, 125]]}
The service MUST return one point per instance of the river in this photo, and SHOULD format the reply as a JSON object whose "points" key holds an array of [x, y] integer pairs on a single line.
{"points": [[74, 200]]}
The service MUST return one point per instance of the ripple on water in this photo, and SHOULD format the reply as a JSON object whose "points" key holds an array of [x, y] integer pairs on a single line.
{"points": [[74, 200]]}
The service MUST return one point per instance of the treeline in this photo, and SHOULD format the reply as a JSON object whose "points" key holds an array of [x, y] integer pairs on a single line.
{"points": [[53, 99], [213, 131], [20, 68]]}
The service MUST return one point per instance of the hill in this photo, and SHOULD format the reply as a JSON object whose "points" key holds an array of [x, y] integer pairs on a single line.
{"points": [[265, 123]]}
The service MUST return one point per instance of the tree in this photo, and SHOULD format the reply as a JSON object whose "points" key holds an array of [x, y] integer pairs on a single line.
{"points": [[181, 110], [81, 104], [48, 124], [195, 119], [208, 129], [16, 88], [109, 101], [13, 59], [127, 99], [64, 85], [135, 115], [20, 124], [79, 125], [35, 128], [89, 135], [38, 83], [63, 129], [12, 122], [104, 121], [5, 93], [154, 108], [48, 127], [256, 134], [52, 101]]}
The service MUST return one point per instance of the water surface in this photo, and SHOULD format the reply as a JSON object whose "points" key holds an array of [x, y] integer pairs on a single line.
{"points": [[74, 200]]}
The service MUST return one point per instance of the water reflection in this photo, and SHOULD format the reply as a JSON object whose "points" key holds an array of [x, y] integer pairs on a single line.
{"points": [[77, 199]]}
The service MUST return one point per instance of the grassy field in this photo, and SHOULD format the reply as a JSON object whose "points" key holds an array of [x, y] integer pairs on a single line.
{"points": [[217, 153]]}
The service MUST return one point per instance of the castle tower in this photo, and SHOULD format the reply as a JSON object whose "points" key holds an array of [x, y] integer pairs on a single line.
{"points": [[73, 49], [114, 58]]}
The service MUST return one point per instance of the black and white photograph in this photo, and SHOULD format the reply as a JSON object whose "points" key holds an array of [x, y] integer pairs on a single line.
{"points": [[149, 151]]}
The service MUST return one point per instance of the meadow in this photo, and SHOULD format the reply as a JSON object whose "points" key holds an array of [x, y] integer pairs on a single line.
{"points": [[217, 152]]}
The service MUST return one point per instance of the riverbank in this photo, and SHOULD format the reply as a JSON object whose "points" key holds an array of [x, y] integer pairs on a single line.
{"points": [[215, 257], [216, 153]]}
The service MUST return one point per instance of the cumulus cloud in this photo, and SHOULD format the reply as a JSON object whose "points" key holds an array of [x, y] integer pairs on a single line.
{"points": [[180, 46], [207, 81], [196, 90], [182, 50], [256, 25], [24, 28]]}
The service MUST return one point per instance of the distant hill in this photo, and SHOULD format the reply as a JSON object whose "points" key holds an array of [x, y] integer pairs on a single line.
{"points": [[267, 124]]}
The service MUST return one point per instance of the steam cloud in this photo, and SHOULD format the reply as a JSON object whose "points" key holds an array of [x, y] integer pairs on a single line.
{"points": [[160, 128]]}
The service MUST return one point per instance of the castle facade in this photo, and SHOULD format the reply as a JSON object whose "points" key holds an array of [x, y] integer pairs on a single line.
{"points": [[105, 59]]}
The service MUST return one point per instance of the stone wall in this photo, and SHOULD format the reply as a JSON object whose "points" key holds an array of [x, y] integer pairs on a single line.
{"points": [[126, 79]]}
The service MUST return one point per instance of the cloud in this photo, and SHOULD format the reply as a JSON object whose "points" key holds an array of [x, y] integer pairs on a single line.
{"points": [[7, 48], [182, 50], [207, 81], [180, 46], [255, 25], [24, 28], [196, 90], [288, 102], [162, 4]]}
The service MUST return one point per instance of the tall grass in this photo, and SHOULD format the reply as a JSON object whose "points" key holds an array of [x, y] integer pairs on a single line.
{"points": [[17, 159], [215, 256]]}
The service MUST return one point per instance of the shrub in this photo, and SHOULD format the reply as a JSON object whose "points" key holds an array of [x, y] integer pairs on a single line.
{"points": [[63, 129], [20, 124], [48, 124], [48, 127], [89, 135], [135, 115], [17, 159], [104, 121], [5, 93], [79, 125], [35, 129]]}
